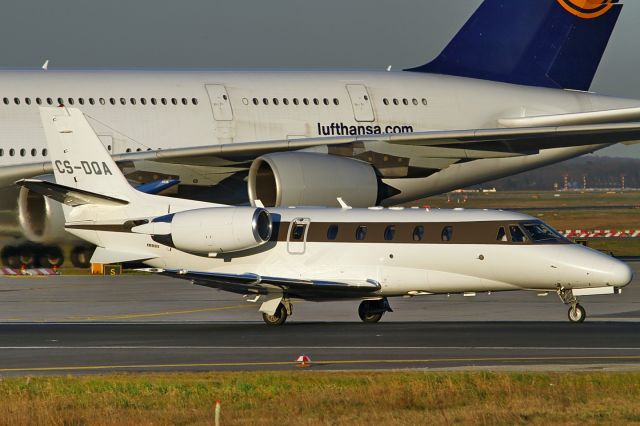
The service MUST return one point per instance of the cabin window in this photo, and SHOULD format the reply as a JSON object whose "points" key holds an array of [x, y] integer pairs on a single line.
{"points": [[316, 101], [23, 152], [361, 233], [502, 235], [517, 236], [71, 102], [265, 101], [128, 150], [132, 101], [390, 233], [256, 101], [123, 101], [16, 101], [112, 101], [305, 101], [6, 101], [385, 101], [297, 233], [405, 101], [295, 101], [44, 152], [12, 152], [336, 101], [418, 233], [275, 101], [34, 152], [39, 101], [49, 101], [185, 101], [424, 101], [27, 101], [163, 101], [325, 101], [154, 101], [81, 101], [395, 101], [1, 152], [415, 101], [143, 101], [447, 233], [285, 101], [332, 232], [174, 101], [92, 101]]}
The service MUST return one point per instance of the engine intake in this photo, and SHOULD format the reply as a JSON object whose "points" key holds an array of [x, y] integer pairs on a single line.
{"points": [[311, 179]]}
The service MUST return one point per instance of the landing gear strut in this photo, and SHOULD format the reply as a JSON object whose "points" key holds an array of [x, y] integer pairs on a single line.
{"points": [[283, 311], [371, 311], [577, 313]]}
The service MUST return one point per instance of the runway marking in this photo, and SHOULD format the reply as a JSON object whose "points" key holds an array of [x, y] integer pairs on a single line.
{"points": [[319, 363], [183, 347], [159, 314]]}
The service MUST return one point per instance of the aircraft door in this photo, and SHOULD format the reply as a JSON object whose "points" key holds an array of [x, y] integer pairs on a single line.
{"points": [[361, 102], [297, 235], [220, 103]]}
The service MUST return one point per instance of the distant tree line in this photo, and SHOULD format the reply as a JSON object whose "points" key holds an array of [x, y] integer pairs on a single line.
{"points": [[595, 172]]}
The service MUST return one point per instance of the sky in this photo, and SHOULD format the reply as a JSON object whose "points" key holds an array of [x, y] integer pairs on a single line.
{"points": [[369, 34]]}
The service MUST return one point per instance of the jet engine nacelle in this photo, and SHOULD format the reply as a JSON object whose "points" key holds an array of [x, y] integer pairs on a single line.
{"points": [[41, 218], [211, 230], [308, 179]]}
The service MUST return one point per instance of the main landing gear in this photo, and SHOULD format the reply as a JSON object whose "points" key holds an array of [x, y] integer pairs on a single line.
{"points": [[577, 313], [282, 312], [371, 311]]}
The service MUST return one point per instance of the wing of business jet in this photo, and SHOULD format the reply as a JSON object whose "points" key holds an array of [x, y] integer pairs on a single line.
{"points": [[252, 283], [518, 137]]}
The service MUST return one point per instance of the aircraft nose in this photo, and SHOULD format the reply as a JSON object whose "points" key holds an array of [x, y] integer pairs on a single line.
{"points": [[619, 273]]}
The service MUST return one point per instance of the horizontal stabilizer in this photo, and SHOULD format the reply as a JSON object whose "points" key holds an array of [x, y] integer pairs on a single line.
{"points": [[103, 255], [69, 196]]}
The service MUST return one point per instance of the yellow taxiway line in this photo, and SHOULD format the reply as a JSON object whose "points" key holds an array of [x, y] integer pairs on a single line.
{"points": [[320, 363], [159, 314]]}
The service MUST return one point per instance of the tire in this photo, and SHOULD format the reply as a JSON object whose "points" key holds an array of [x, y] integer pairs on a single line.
{"points": [[365, 314], [26, 257], [50, 257], [577, 315], [81, 257], [11, 257], [278, 318]]}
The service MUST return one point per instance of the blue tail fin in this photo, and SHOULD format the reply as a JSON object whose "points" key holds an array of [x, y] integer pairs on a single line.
{"points": [[546, 43]]}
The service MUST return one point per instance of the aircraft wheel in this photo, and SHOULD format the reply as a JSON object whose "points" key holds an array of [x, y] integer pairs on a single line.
{"points": [[367, 314], [577, 314], [81, 256], [11, 257], [50, 257], [278, 318]]}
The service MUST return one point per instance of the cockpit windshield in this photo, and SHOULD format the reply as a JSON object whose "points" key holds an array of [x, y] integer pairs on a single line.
{"points": [[540, 232]]}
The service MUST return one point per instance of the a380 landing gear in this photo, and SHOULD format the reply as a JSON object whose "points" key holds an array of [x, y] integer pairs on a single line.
{"points": [[577, 314], [371, 311]]}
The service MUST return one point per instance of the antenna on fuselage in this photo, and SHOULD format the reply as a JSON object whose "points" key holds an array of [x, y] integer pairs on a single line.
{"points": [[343, 204], [45, 66]]}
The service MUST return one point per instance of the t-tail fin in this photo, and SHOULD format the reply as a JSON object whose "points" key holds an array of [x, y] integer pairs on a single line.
{"points": [[546, 43], [79, 159]]}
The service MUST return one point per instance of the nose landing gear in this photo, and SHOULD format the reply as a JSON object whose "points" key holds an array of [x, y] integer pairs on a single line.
{"points": [[577, 314]]}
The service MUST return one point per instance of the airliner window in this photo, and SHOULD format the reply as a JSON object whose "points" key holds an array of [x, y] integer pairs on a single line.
{"points": [[297, 233], [326, 101], [256, 101], [27, 101], [395, 101], [275, 101], [143, 101], [361, 233], [174, 101], [424, 101], [133, 101], [6, 101], [265, 101], [1, 152], [295, 101], [44, 152], [316, 101], [153, 101], [418, 233], [390, 233], [415, 101], [16, 101], [23, 152], [517, 236], [185, 101], [70, 101], [49, 101], [194, 101], [123, 101], [164, 101], [112, 101], [33, 152], [285, 101], [405, 101], [81, 101], [12, 152], [502, 235], [336, 101], [305, 101], [539, 232], [385, 101], [332, 232], [447, 233]]}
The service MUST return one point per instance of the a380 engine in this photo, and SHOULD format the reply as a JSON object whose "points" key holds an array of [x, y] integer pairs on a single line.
{"points": [[211, 230], [310, 179]]}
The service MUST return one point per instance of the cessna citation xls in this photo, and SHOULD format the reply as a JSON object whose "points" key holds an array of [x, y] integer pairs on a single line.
{"points": [[282, 254], [507, 94]]}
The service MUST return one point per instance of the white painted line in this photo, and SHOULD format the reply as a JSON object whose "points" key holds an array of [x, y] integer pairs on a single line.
{"points": [[512, 348]]}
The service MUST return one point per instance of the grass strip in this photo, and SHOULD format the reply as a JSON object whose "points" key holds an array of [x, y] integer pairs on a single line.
{"points": [[316, 398]]}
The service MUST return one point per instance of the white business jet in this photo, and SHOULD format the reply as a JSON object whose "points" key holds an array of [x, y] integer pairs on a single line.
{"points": [[321, 254]]}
